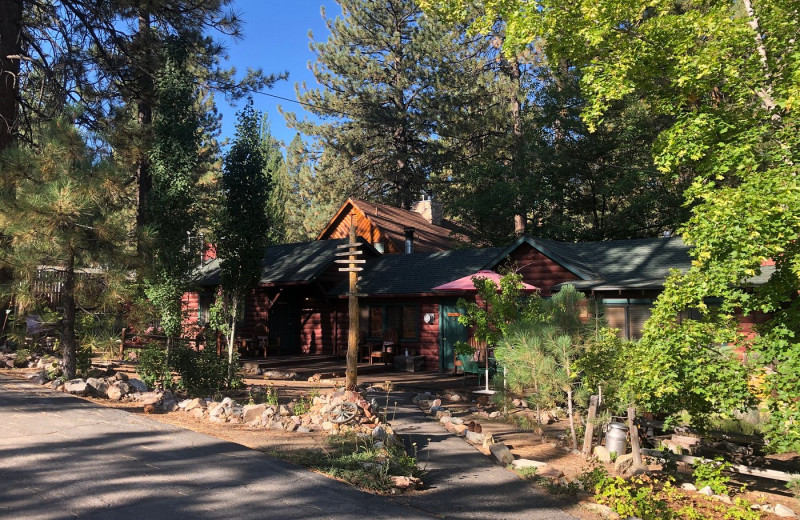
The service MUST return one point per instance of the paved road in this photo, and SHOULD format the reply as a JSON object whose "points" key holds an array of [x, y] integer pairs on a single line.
{"points": [[62, 457]]}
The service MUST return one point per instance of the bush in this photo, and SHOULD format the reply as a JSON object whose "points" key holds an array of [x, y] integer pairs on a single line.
{"points": [[203, 372], [153, 369], [708, 473]]}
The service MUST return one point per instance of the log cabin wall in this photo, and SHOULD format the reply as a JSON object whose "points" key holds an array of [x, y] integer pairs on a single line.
{"points": [[537, 269], [426, 338]]}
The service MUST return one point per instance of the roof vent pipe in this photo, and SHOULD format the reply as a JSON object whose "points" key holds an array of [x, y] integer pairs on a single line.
{"points": [[409, 231]]}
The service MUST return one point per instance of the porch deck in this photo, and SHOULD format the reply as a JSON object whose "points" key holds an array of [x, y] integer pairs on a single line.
{"points": [[329, 367]]}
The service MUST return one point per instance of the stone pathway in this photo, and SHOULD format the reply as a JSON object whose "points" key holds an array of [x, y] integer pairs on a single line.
{"points": [[461, 481]]}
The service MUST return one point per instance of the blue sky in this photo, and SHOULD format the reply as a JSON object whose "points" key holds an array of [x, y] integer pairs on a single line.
{"points": [[275, 39]]}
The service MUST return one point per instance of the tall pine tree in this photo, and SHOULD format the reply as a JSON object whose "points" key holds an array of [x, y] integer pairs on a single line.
{"points": [[377, 135]]}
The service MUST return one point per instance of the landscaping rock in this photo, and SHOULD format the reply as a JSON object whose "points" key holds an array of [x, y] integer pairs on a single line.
{"points": [[706, 491], [137, 385], [149, 398], [195, 403], [548, 471], [601, 509], [475, 437], [688, 487], [252, 413], [784, 512], [602, 454], [501, 453], [723, 498], [280, 375], [401, 482], [114, 393], [75, 387], [97, 387], [459, 429], [527, 463], [39, 378], [494, 415], [169, 403], [623, 463]]}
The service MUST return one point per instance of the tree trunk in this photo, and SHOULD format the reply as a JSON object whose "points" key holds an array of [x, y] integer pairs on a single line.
{"points": [[10, 45], [144, 116], [232, 336], [764, 93], [68, 346], [571, 419]]}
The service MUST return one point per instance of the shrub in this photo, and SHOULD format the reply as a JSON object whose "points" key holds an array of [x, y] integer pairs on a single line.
{"points": [[203, 372], [153, 369], [711, 473]]}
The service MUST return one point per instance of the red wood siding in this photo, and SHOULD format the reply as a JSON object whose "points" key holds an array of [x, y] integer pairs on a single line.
{"points": [[340, 228], [537, 269]]}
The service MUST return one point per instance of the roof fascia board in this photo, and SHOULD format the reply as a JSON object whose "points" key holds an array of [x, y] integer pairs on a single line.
{"points": [[335, 218], [542, 249]]}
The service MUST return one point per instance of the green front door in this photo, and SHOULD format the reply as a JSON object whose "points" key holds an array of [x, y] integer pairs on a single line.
{"points": [[450, 333]]}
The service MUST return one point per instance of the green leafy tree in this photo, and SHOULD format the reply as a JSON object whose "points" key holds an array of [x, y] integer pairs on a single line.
{"points": [[728, 76], [64, 214], [496, 309], [244, 224]]}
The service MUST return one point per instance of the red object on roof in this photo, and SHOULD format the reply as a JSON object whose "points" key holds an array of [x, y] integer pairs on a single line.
{"points": [[465, 283]]}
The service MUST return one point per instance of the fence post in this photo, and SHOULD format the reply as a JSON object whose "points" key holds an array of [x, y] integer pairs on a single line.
{"points": [[122, 345], [589, 436]]}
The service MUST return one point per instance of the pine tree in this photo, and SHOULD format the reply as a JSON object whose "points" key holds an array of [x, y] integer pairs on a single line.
{"points": [[278, 205], [377, 75], [63, 211]]}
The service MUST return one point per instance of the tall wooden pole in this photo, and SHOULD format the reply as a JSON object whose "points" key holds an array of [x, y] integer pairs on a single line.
{"points": [[352, 300]]}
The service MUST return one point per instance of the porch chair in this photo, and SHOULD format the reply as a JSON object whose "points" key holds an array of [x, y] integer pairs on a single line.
{"points": [[261, 336], [387, 348]]}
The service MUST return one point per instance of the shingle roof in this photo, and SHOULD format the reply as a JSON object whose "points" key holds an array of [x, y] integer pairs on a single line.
{"points": [[613, 264], [301, 262], [418, 273], [427, 237]]}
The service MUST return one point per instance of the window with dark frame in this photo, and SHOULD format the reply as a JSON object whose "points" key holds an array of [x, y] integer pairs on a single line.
{"points": [[402, 318]]}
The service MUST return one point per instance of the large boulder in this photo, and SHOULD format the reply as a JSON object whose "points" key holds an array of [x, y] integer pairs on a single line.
{"points": [[75, 387], [97, 387], [137, 385], [252, 413]]}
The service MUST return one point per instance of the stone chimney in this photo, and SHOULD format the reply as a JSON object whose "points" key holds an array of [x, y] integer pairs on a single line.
{"points": [[430, 210]]}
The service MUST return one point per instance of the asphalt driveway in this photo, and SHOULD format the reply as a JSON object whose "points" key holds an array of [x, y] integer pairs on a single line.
{"points": [[63, 457]]}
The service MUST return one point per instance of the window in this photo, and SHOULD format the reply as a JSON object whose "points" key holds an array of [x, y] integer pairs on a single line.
{"points": [[401, 319], [628, 316], [205, 299]]}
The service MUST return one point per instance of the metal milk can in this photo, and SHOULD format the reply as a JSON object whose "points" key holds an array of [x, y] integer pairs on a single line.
{"points": [[617, 438]]}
